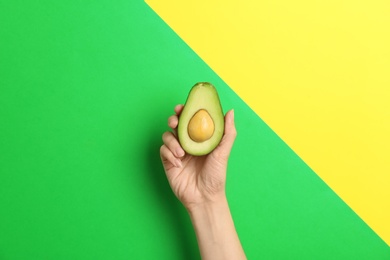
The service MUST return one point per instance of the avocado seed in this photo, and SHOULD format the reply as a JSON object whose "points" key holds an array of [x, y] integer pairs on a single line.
{"points": [[201, 126]]}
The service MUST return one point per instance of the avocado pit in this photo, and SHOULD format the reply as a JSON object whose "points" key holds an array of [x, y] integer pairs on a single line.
{"points": [[201, 126]]}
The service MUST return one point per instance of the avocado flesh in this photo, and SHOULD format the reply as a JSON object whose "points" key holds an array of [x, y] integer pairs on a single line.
{"points": [[203, 96]]}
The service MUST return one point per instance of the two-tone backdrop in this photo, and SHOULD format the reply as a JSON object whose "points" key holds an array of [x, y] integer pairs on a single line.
{"points": [[86, 88]]}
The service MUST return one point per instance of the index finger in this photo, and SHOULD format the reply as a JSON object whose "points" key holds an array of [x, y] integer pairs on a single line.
{"points": [[178, 109]]}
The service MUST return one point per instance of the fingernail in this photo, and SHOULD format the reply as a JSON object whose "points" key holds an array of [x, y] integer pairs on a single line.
{"points": [[178, 163], [179, 152]]}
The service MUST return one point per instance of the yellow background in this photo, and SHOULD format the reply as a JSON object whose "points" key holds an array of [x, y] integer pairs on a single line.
{"points": [[317, 72]]}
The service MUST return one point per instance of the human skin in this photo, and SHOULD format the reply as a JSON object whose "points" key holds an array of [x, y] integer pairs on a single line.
{"points": [[199, 183]]}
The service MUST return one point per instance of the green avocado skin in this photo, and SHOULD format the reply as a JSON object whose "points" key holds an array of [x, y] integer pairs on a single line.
{"points": [[203, 95]]}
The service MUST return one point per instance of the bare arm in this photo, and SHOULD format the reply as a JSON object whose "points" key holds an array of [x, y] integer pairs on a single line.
{"points": [[215, 231]]}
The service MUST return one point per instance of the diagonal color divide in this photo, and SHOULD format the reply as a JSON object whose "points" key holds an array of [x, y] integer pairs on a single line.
{"points": [[318, 73]]}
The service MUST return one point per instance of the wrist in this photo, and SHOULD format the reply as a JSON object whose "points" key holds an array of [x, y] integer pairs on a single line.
{"points": [[207, 205], [215, 231], [210, 218]]}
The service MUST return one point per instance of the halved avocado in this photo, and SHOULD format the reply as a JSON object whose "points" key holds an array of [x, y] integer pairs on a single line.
{"points": [[201, 123]]}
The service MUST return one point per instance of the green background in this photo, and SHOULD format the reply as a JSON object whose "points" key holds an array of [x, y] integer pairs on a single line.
{"points": [[86, 88]]}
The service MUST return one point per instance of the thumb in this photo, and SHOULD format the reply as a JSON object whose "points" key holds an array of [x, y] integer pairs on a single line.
{"points": [[223, 149]]}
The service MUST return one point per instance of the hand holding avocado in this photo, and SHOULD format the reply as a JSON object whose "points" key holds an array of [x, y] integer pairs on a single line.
{"points": [[197, 173], [197, 179]]}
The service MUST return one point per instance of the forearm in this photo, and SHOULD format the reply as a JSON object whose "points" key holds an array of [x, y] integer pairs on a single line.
{"points": [[215, 231]]}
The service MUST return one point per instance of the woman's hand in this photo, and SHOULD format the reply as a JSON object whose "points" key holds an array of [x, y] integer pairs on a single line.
{"points": [[199, 183], [197, 180]]}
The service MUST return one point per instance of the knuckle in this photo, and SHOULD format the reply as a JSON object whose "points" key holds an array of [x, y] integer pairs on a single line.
{"points": [[165, 136], [233, 134], [172, 120], [162, 147]]}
